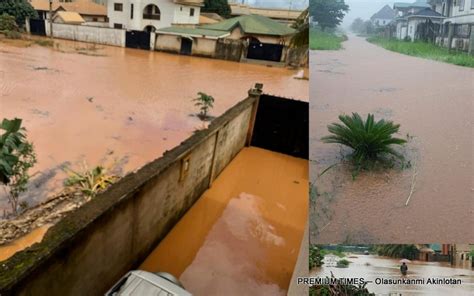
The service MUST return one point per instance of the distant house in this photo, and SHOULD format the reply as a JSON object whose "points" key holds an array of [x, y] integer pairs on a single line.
{"points": [[411, 15], [383, 17], [68, 17], [259, 37], [459, 16], [151, 15], [282, 15], [90, 11]]}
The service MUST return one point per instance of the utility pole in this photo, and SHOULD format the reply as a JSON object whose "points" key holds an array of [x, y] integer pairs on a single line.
{"points": [[51, 18]]}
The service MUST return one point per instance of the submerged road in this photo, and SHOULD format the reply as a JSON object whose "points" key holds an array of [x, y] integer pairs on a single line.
{"points": [[433, 102]]}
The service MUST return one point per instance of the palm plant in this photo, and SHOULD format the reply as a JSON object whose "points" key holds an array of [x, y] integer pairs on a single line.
{"points": [[369, 139], [204, 102]]}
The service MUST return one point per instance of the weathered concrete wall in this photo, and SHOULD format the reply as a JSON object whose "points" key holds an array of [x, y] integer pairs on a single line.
{"points": [[228, 49], [92, 247], [84, 33], [171, 43], [204, 47]]}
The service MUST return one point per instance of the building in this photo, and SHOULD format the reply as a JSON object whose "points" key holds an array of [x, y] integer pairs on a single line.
{"points": [[248, 37], [416, 21], [151, 15], [458, 23], [462, 255], [90, 11], [383, 17], [68, 17], [283, 15]]}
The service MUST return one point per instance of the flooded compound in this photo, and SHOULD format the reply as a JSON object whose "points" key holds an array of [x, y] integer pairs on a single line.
{"points": [[433, 103], [371, 267], [232, 240], [35, 236], [81, 101]]}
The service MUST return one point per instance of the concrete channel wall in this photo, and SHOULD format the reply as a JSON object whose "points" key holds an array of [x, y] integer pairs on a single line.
{"points": [[99, 35], [92, 247]]}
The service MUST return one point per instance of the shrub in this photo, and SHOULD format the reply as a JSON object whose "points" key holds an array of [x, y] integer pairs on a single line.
{"points": [[343, 263], [89, 181], [315, 257], [12, 34], [369, 139], [7, 23], [17, 156], [205, 102]]}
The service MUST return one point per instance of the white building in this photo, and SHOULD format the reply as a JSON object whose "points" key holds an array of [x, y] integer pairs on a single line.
{"points": [[150, 15], [383, 17]]}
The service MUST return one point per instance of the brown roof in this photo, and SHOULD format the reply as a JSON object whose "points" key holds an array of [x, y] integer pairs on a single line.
{"points": [[69, 17], [204, 20], [85, 7]]}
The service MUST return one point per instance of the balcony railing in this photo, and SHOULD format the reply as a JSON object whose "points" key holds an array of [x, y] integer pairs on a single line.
{"points": [[149, 16]]}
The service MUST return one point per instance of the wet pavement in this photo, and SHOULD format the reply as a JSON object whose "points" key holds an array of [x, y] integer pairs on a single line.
{"points": [[85, 102], [371, 267], [243, 236], [433, 102]]}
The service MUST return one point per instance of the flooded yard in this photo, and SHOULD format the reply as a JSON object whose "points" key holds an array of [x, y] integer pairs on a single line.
{"points": [[371, 267], [433, 102], [93, 103], [243, 236]]}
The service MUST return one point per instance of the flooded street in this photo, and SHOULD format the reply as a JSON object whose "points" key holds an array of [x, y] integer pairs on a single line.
{"points": [[371, 267], [433, 102], [35, 236], [84, 102], [232, 240]]}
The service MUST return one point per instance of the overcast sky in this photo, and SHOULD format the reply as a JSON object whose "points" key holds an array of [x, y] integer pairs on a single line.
{"points": [[365, 9]]}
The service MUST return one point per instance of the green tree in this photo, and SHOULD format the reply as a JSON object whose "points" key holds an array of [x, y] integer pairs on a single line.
{"points": [[328, 13], [221, 7], [7, 23], [357, 25], [398, 251], [205, 102], [301, 38], [315, 257], [17, 156], [20, 9]]}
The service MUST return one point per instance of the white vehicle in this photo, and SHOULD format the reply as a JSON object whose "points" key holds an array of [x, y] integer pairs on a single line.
{"points": [[141, 283]]}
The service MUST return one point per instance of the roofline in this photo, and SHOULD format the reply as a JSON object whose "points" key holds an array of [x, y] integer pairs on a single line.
{"points": [[192, 35]]}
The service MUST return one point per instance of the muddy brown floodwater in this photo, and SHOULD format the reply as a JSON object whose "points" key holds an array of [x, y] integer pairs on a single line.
{"points": [[433, 102], [83, 102], [243, 236], [35, 236], [371, 267]]}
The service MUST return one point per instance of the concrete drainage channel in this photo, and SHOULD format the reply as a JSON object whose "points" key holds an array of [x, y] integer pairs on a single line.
{"points": [[124, 228]]}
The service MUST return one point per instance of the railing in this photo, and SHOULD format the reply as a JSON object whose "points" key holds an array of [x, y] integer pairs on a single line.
{"points": [[149, 16]]}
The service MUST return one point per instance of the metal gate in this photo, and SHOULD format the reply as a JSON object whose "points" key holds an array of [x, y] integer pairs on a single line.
{"points": [[137, 39], [186, 46], [38, 27], [265, 51], [282, 125]]}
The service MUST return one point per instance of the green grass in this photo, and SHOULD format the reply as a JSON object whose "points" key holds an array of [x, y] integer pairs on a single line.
{"points": [[425, 50], [319, 40]]}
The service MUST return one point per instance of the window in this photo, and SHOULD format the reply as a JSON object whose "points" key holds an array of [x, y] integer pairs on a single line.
{"points": [[117, 26], [131, 11], [118, 7], [191, 12], [94, 19], [151, 12], [461, 5]]}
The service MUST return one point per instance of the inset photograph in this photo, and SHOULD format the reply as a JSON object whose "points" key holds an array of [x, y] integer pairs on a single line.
{"points": [[421, 269], [391, 121]]}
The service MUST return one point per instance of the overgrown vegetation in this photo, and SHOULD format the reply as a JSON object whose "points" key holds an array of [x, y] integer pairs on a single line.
{"points": [[343, 263], [17, 157], [9, 27], [315, 257], [204, 102], [370, 140], [341, 289], [19, 9], [397, 251], [88, 181], [425, 50], [221, 7], [320, 40]]}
